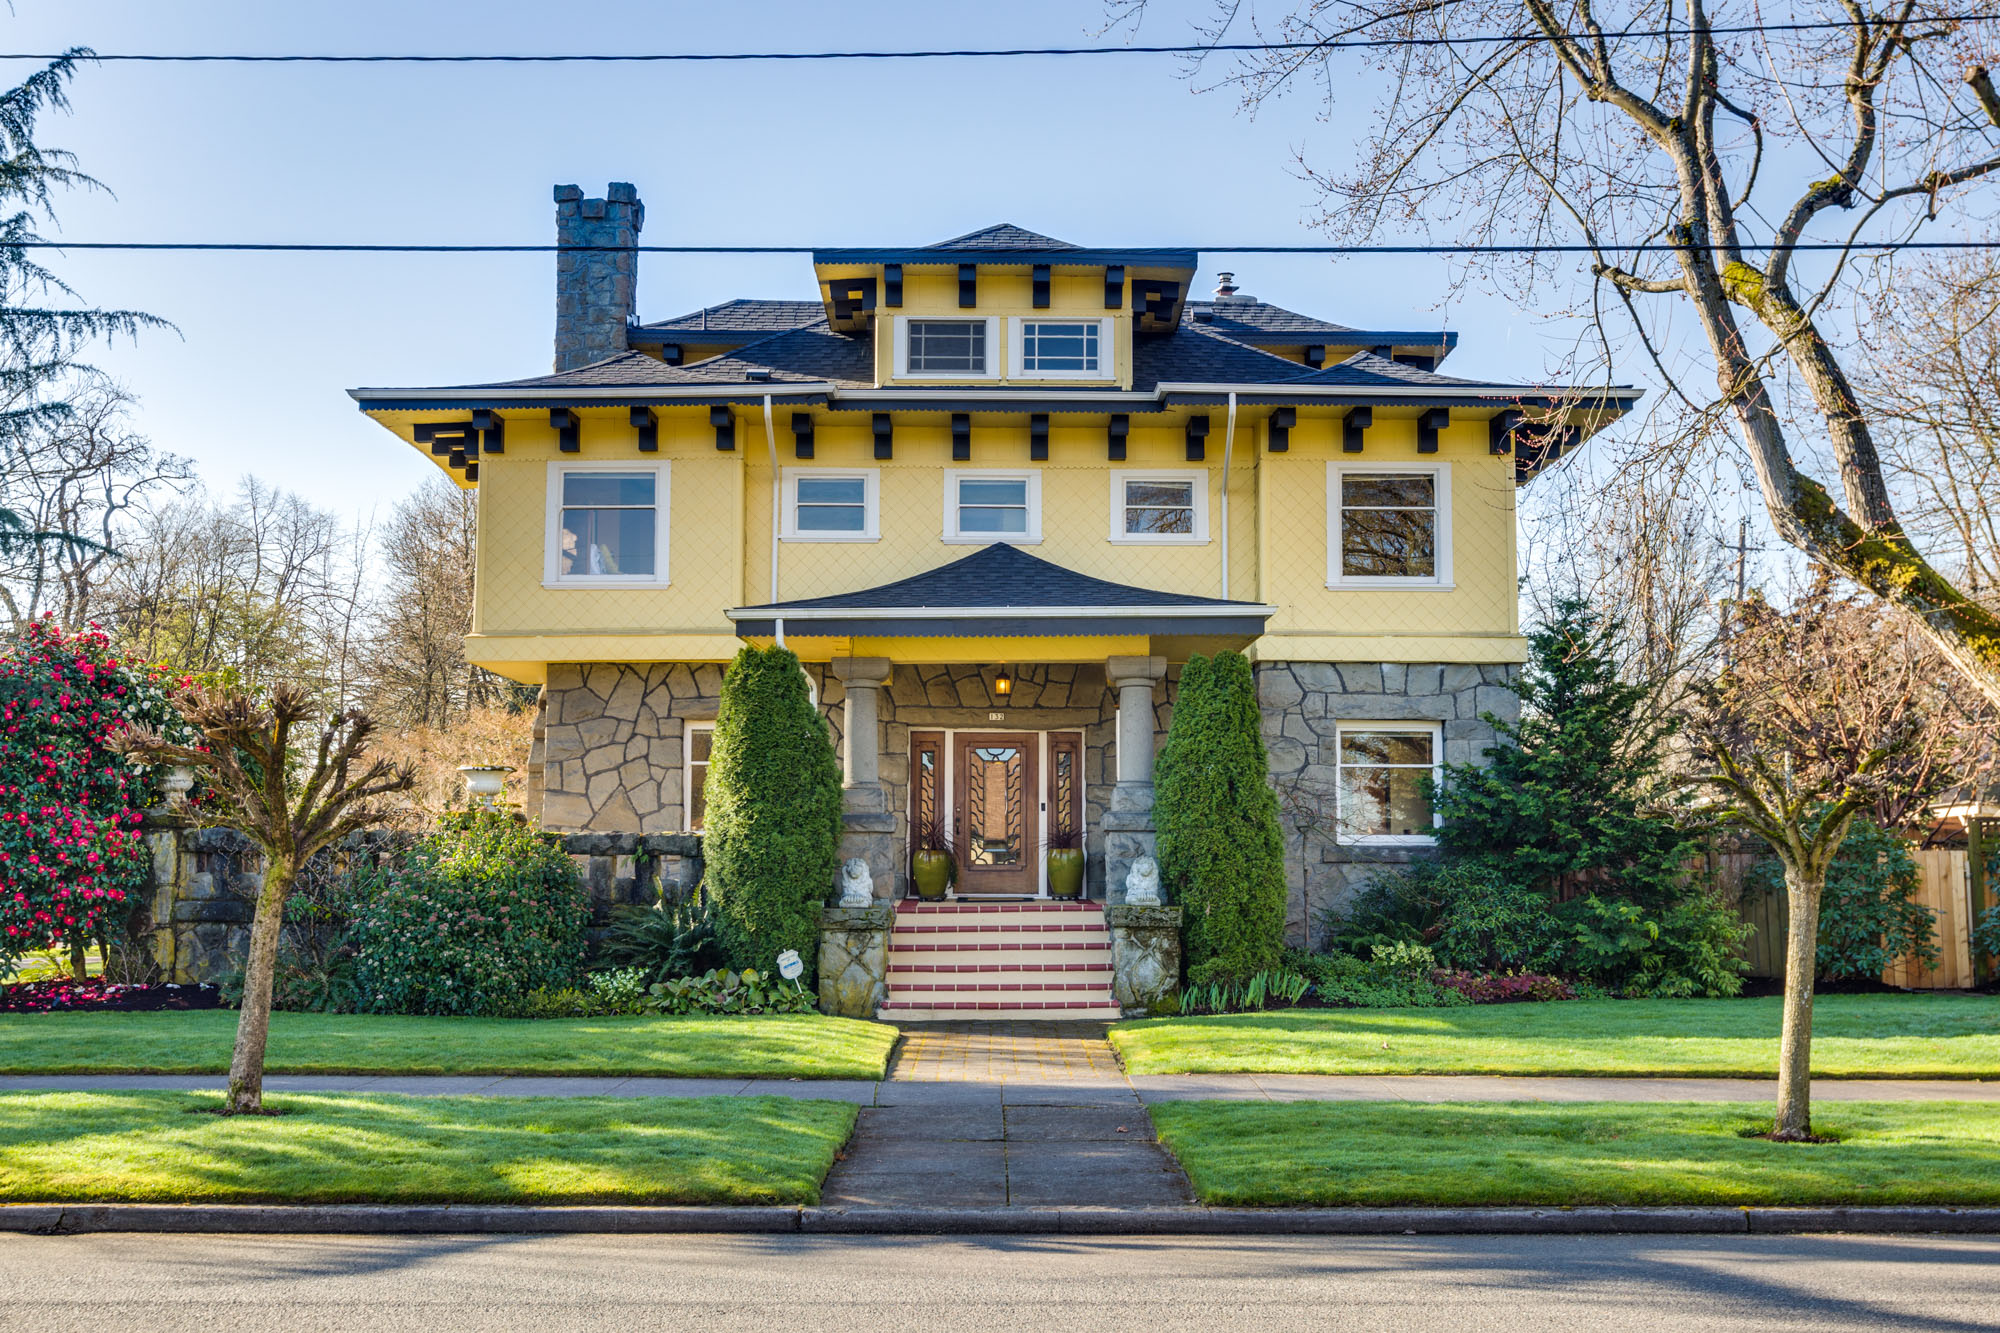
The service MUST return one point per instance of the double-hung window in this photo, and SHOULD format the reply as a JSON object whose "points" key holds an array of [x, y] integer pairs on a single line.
{"points": [[947, 348], [1384, 772], [831, 504], [607, 526], [1061, 349], [1389, 526], [1159, 508], [989, 505]]}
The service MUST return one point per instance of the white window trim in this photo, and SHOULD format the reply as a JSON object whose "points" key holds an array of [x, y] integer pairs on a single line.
{"points": [[1435, 730], [993, 349], [871, 499], [953, 475], [688, 730], [1439, 582], [1197, 476], [552, 575], [1107, 357]]}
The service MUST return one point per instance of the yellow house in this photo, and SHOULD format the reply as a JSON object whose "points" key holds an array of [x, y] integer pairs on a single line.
{"points": [[993, 491]]}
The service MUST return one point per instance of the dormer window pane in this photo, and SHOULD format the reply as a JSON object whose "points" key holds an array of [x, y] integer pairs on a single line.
{"points": [[1049, 346], [993, 505], [947, 347]]}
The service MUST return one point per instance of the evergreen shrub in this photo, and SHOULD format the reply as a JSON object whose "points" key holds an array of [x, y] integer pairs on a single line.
{"points": [[1221, 851], [771, 834], [1869, 915], [476, 917]]}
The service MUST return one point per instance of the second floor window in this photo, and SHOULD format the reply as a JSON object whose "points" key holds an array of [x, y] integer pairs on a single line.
{"points": [[1053, 347], [947, 347], [992, 506], [606, 526], [1389, 526], [828, 505], [1149, 508]]}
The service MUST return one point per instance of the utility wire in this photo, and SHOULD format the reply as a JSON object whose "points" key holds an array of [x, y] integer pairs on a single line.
{"points": [[972, 53], [1055, 256]]}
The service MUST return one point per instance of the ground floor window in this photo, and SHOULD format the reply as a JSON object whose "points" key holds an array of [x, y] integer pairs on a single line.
{"points": [[699, 737], [1384, 771]]}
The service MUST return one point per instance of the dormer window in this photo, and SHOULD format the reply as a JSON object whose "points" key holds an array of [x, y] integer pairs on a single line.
{"points": [[1061, 349], [959, 348]]}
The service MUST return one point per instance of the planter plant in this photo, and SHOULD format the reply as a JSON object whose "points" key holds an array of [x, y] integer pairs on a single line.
{"points": [[932, 868], [1065, 862]]}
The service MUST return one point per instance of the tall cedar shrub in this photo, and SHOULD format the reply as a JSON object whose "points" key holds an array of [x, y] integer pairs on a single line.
{"points": [[771, 834], [1561, 799], [1222, 855]]}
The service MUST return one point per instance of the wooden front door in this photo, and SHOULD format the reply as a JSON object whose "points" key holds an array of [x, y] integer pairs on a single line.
{"points": [[996, 816]]}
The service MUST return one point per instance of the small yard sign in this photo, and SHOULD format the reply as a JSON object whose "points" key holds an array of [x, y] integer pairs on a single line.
{"points": [[789, 966]]}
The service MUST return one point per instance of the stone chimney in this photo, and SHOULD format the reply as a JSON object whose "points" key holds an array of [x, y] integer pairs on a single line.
{"points": [[596, 290]]}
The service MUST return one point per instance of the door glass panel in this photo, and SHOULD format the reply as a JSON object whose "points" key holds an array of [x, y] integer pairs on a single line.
{"points": [[995, 795]]}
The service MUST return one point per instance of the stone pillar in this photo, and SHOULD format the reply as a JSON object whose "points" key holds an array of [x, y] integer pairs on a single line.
{"points": [[1145, 956], [1128, 824], [870, 826], [597, 289], [854, 959]]}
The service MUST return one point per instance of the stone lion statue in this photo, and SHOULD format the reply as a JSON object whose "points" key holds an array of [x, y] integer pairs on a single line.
{"points": [[1142, 883], [857, 886]]}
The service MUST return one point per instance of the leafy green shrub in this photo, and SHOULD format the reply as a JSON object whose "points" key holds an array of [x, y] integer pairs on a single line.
{"points": [[1504, 987], [603, 995], [1868, 913], [1261, 990], [1688, 950], [1489, 923], [1396, 977], [666, 939], [772, 829], [477, 916], [722, 991], [1568, 793], [1221, 852], [1986, 934]]}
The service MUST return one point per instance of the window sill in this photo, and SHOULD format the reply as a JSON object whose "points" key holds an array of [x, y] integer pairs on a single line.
{"points": [[603, 584], [1389, 840], [988, 538], [1132, 539], [1389, 585], [818, 538]]}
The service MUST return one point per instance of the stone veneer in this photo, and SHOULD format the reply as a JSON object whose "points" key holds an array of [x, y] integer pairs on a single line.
{"points": [[1302, 702]]}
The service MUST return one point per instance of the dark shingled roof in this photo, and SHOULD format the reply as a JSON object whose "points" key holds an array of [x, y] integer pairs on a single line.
{"points": [[998, 578], [735, 319], [810, 355], [1195, 354], [1365, 370], [1248, 317], [1003, 236]]}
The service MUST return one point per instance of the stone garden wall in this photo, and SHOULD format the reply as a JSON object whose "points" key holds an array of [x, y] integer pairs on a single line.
{"points": [[1301, 703]]}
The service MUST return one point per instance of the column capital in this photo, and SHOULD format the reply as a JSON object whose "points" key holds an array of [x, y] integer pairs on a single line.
{"points": [[862, 671], [1125, 671]]}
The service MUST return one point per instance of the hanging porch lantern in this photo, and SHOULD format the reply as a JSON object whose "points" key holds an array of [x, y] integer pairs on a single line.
{"points": [[1003, 684]]}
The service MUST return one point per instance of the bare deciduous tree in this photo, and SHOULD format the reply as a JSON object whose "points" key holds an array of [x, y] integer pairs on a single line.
{"points": [[292, 805], [420, 675], [1829, 710], [1725, 152]]}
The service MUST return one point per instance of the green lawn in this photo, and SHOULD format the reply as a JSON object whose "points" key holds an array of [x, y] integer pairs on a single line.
{"points": [[1385, 1154], [781, 1045], [1854, 1036], [153, 1147]]}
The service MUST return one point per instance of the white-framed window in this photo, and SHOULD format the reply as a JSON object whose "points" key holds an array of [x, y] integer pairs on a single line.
{"points": [[1380, 772], [1159, 508], [986, 505], [1388, 525], [1045, 349], [607, 525], [829, 504], [951, 349], [698, 738]]}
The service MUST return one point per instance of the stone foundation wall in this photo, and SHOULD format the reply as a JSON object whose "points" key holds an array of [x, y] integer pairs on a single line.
{"points": [[609, 744], [1302, 702]]}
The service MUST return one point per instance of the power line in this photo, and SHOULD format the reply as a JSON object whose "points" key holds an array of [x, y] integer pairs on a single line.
{"points": [[965, 53], [335, 247]]}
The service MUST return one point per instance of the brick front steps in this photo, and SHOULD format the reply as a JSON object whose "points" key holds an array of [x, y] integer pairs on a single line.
{"points": [[970, 959]]}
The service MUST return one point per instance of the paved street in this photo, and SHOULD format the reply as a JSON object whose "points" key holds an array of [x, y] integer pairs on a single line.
{"points": [[108, 1283]]}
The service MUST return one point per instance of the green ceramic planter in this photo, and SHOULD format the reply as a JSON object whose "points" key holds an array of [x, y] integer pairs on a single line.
{"points": [[1066, 872], [931, 872]]}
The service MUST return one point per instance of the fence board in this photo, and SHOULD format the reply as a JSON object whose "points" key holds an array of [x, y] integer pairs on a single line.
{"points": [[1942, 885]]}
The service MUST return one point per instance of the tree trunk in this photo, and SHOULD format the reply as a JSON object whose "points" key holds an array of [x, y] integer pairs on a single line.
{"points": [[253, 1028], [1794, 1120], [79, 957]]}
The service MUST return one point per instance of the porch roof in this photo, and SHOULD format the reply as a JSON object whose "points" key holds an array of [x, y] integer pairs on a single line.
{"points": [[1001, 590]]}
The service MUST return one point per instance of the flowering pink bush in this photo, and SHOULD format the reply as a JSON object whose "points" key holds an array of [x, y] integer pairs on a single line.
{"points": [[1504, 987], [70, 852]]}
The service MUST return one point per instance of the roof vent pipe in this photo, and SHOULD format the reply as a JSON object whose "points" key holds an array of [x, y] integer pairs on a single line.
{"points": [[1225, 284]]}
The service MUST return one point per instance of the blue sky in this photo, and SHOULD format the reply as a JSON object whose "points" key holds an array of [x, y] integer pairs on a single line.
{"points": [[1108, 151]]}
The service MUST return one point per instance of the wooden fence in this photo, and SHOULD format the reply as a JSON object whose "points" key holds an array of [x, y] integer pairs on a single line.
{"points": [[1943, 886]]}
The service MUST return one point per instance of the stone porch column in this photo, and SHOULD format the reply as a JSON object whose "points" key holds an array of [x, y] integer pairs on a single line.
{"points": [[1128, 824], [870, 826]]}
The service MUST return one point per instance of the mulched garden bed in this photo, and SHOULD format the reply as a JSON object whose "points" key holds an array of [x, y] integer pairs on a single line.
{"points": [[63, 995]]}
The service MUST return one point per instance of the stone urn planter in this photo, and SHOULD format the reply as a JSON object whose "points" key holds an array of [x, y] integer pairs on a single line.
{"points": [[1065, 864]]}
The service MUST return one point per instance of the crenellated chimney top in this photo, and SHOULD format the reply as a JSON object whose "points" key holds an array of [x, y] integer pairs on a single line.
{"points": [[597, 285]]}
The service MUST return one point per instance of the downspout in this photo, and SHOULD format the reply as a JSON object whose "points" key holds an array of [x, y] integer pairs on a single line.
{"points": [[1228, 443], [777, 508]]}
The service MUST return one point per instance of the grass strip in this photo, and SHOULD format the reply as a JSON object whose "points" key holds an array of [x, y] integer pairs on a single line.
{"points": [[156, 1147], [1854, 1036], [693, 1046], [1498, 1153]]}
